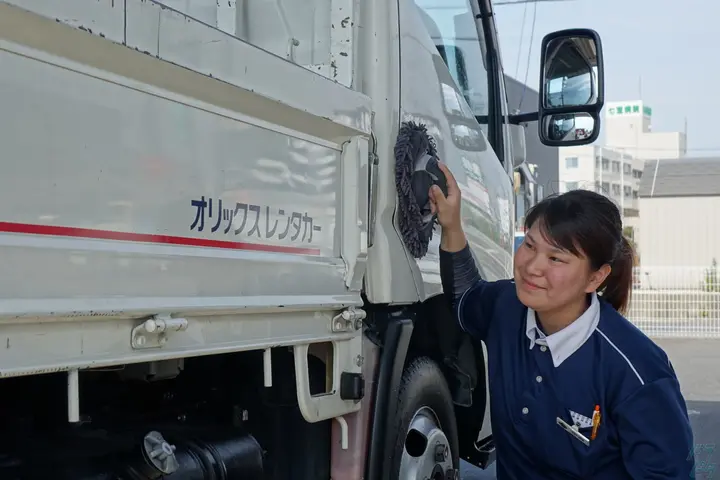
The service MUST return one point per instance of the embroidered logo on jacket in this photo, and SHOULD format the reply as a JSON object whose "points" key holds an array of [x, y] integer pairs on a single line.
{"points": [[580, 421]]}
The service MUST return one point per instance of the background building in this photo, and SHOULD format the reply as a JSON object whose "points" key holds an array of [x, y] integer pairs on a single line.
{"points": [[628, 128], [680, 213], [603, 170], [616, 168]]}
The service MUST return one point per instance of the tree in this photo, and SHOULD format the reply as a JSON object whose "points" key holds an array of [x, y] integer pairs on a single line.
{"points": [[712, 278], [629, 234]]}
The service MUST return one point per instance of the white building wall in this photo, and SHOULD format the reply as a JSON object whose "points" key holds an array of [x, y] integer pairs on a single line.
{"points": [[628, 127], [680, 231], [576, 168], [658, 145], [612, 173], [624, 132]]}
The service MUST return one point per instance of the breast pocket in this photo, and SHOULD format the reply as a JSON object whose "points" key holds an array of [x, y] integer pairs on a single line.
{"points": [[575, 455]]}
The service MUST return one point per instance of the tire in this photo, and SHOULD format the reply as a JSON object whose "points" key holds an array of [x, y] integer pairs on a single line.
{"points": [[425, 425]]}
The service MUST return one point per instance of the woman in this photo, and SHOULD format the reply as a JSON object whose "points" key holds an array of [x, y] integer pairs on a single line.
{"points": [[576, 390]]}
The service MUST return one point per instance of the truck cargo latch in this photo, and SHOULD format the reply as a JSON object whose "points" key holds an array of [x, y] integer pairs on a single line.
{"points": [[153, 332], [348, 320]]}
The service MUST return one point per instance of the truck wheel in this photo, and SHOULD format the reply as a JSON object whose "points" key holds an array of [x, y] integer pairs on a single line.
{"points": [[426, 439]]}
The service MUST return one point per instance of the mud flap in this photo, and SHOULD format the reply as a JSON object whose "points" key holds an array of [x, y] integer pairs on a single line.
{"points": [[470, 418], [459, 360], [464, 365]]}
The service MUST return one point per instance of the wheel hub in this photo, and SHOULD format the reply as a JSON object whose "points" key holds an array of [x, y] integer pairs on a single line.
{"points": [[427, 454]]}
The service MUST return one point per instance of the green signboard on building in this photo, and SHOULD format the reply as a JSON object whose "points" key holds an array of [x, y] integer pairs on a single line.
{"points": [[635, 108]]}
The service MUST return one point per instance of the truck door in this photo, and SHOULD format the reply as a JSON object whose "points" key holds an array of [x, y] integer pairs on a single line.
{"points": [[455, 92]]}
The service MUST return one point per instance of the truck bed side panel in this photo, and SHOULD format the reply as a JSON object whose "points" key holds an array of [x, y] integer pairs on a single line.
{"points": [[131, 182]]}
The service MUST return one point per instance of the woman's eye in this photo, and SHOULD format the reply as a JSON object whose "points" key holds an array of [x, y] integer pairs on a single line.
{"points": [[528, 245], [555, 259]]}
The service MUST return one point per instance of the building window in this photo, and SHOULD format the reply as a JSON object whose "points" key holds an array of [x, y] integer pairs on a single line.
{"points": [[571, 186], [627, 191], [605, 188], [637, 173], [635, 194], [615, 189], [605, 164], [627, 169], [597, 163], [616, 167], [571, 162]]}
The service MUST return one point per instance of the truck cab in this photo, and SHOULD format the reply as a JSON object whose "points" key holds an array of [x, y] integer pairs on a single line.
{"points": [[205, 275]]}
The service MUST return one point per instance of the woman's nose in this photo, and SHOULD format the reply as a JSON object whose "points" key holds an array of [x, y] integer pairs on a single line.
{"points": [[535, 265]]}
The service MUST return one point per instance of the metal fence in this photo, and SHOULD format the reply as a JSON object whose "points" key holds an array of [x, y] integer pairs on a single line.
{"points": [[676, 301]]}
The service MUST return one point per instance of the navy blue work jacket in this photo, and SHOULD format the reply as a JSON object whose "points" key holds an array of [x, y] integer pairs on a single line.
{"points": [[600, 359]]}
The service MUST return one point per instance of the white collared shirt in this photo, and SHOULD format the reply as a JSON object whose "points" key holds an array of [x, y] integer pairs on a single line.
{"points": [[567, 341]]}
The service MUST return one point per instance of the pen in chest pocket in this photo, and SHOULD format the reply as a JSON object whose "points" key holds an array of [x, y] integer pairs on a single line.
{"points": [[595, 422]]}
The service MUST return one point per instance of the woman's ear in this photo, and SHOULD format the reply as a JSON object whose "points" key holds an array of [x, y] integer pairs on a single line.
{"points": [[597, 278]]}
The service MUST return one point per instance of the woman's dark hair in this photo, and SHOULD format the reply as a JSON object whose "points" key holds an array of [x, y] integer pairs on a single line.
{"points": [[581, 220]]}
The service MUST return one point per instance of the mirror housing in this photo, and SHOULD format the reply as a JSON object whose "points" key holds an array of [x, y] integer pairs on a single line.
{"points": [[572, 90]]}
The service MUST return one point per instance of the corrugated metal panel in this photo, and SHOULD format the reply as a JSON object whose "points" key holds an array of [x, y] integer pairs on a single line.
{"points": [[681, 177]]}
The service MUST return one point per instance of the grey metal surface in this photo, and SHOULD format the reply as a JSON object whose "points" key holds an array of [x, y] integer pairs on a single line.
{"points": [[682, 177], [525, 99], [427, 452]]}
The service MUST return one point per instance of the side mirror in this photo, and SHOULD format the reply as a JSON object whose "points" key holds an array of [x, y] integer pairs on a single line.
{"points": [[572, 91]]}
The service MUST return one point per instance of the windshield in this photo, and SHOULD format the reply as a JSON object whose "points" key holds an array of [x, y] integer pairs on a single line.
{"points": [[451, 25]]}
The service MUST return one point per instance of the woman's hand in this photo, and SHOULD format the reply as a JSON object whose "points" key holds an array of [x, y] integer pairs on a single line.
{"points": [[448, 212], [446, 208]]}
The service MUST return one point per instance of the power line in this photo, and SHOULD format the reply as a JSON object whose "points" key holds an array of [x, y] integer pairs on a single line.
{"points": [[521, 2], [522, 33], [501, 3], [527, 67]]}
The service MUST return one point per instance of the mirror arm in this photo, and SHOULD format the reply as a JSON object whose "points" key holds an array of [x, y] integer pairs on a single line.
{"points": [[520, 118]]}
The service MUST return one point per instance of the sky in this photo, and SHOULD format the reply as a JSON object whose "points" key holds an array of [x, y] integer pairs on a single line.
{"points": [[665, 47]]}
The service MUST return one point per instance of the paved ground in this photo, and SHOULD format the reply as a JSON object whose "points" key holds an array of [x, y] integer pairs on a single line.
{"points": [[697, 363]]}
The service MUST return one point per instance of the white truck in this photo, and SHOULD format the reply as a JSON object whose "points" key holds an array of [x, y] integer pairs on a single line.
{"points": [[208, 281]]}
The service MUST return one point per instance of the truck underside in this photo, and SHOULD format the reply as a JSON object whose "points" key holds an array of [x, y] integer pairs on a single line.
{"points": [[237, 415], [220, 427]]}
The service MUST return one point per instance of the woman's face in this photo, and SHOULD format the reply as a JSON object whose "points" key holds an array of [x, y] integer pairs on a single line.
{"points": [[548, 278]]}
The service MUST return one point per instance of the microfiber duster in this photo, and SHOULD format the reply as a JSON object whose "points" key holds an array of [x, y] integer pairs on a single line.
{"points": [[416, 170]]}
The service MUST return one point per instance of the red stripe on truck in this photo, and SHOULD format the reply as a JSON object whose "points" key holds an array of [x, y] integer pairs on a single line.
{"points": [[75, 232]]}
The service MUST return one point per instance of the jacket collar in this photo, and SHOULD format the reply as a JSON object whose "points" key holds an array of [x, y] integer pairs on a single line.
{"points": [[564, 343]]}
